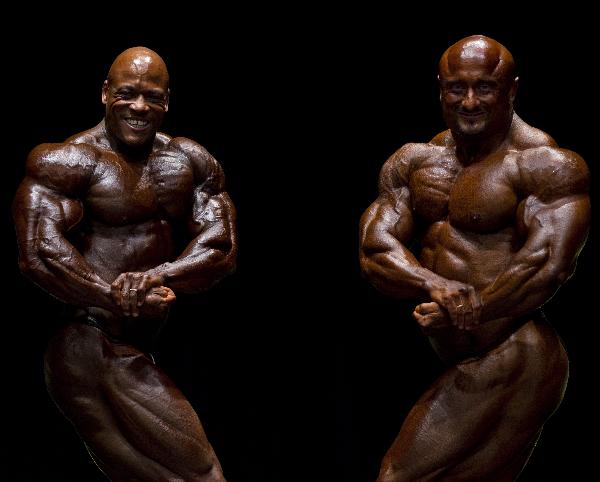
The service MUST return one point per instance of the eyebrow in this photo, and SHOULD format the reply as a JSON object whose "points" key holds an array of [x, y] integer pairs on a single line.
{"points": [[481, 79]]}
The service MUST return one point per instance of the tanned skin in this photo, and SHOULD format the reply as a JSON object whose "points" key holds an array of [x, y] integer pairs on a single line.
{"points": [[498, 214], [114, 222]]}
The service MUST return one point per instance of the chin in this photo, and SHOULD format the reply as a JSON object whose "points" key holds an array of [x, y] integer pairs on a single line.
{"points": [[137, 141], [470, 128]]}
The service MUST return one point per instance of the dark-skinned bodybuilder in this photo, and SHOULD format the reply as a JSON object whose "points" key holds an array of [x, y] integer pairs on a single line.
{"points": [[114, 222], [500, 214]]}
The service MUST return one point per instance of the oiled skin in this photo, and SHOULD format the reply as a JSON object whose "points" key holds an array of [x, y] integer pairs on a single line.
{"points": [[500, 214], [114, 222]]}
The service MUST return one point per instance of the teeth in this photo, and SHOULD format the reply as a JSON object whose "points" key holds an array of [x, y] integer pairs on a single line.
{"points": [[137, 122]]}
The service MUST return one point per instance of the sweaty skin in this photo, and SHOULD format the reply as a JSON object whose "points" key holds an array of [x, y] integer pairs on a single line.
{"points": [[496, 215], [114, 222]]}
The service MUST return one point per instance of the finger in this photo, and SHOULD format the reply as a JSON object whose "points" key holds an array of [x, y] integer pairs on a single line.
{"points": [[423, 320], [477, 307], [470, 319], [417, 316], [133, 300], [125, 295], [459, 301], [143, 289], [425, 308], [453, 309], [138, 295], [115, 289], [467, 316]]}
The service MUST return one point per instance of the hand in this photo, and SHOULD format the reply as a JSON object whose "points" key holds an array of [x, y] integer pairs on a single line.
{"points": [[431, 316], [129, 290], [460, 300], [157, 302]]}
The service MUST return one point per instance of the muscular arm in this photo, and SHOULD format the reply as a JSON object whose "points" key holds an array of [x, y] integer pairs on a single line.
{"points": [[211, 253], [387, 228], [46, 208], [556, 217]]}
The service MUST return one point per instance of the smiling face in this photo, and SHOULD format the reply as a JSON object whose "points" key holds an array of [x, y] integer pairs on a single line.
{"points": [[477, 86], [136, 95]]}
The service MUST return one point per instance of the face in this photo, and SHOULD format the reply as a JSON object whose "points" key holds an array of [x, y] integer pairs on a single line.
{"points": [[136, 100], [475, 100]]}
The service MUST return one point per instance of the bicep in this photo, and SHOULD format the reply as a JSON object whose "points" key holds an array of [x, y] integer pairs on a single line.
{"points": [[42, 218], [387, 222], [35, 201], [556, 231], [213, 217]]}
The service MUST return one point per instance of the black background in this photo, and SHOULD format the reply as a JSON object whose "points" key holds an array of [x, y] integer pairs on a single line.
{"points": [[297, 367]]}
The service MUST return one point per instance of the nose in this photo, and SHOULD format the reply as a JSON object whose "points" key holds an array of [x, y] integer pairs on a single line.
{"points": [[139, 104], [470, 100]]}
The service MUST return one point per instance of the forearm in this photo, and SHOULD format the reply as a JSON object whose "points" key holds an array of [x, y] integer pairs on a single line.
{"points": [[46, 256], [543, 264], [211, 254], [69, 277], [399, 274], [195, 271], [521, 290]]}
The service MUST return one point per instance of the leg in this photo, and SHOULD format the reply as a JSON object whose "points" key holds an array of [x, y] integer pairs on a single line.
{"points": [[137, 425], [481, 419]]}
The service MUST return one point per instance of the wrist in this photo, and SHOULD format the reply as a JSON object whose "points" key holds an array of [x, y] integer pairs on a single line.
{"points": [[159, 275], [429, 281]]}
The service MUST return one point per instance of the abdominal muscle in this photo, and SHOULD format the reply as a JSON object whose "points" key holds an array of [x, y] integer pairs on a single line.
{"points": [[476, 259], [112, 250]]}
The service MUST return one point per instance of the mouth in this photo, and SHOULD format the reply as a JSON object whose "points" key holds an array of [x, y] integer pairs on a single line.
{"points": [[471, 115], [137, 124]]}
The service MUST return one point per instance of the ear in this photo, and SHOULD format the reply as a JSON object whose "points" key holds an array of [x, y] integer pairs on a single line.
{"points": [[513, 89], [167, 100], [440, 84], [105, 92]]}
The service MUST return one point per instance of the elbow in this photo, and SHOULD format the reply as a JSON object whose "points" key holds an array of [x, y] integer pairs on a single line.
{"points": [[28, 269], [226, 265], [562, 274], [366, 265], [225, 260], [220, 265], [32, 266], [371, 270]]}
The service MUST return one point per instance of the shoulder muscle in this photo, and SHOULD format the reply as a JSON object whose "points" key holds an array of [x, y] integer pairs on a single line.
{"points": [[551, 173], [395, 173], [64, 168], [207, 170]]}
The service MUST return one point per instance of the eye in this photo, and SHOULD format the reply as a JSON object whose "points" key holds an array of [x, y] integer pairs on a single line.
{"points": [[156, 99], [455, 88], [124, 94], [484, 88]]}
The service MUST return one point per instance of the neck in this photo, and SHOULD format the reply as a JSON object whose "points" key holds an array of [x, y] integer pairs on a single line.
{"points": [[474, 148]]}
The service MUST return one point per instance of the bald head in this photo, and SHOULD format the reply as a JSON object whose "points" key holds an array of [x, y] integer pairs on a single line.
{"points": [[140, 61], [136, 96], [478, 50]]}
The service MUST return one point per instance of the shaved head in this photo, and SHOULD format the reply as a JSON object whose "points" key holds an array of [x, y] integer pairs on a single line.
{"points": [[140, 61], [136, 96], [478, 50], [477, 86]]}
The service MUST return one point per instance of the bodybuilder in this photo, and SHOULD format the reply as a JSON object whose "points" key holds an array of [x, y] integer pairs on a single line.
{"points": [[481, 226], [114, 222]]}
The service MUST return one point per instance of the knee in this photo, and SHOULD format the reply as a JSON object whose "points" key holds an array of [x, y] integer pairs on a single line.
{"points": [[391, 473], [211, 474]]}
